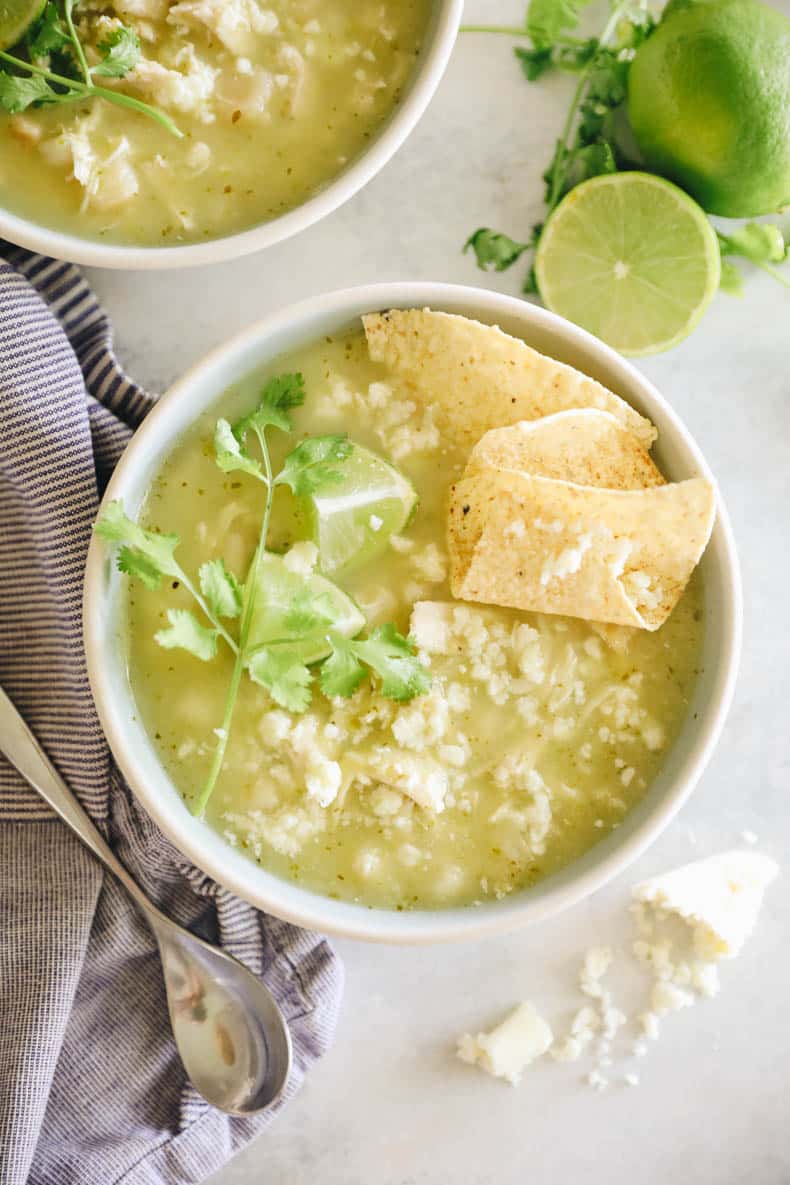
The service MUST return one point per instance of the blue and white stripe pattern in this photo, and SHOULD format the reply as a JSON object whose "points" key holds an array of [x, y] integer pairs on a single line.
{"points": [[91, 1090]]}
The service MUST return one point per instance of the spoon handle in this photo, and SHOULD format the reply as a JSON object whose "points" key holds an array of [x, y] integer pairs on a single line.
{"points": [[26, 755]]}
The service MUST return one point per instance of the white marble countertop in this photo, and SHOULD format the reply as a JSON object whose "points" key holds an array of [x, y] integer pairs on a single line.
{"points": [[390, 1105]]}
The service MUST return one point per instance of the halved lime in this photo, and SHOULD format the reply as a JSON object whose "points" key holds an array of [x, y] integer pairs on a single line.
{"points": [[296, 610], [631, 258], [16, 17], [353, 519]]}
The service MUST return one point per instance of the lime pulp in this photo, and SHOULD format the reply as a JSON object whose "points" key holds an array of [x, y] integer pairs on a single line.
{"points": [[296, 611], [354, 519]]}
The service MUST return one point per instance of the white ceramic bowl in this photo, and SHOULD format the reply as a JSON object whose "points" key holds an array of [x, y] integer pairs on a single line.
{"points": [[438, 44], [677, 455]]}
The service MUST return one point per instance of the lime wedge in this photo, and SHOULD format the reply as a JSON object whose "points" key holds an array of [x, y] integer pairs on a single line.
{"points": [[353, 519], [296, 610], [16, 17], [631, 258]]}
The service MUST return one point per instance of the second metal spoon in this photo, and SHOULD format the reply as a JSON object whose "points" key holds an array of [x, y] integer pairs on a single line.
{"points": [[229, 1030]]}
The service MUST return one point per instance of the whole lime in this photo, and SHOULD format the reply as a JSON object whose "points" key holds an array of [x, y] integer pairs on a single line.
{"points": [[709, 104]]}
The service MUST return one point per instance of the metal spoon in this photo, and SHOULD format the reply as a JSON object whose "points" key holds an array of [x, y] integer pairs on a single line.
{"points": [[229, 1030]]}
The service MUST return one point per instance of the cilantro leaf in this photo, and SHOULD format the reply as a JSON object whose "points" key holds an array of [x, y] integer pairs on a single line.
{"points": [[534, 62], [494, 250], [309, 614], [186, 633], [385, 652], [137, 564], [47, 35], [311, 465], [221, 589], [18, 93], [144, 554], [547, 20], [392, 657], [530, 285], [761, 242], [230, 454], [120, 53], [342, 672], [589, 160], [279, 396], [287, 682]]}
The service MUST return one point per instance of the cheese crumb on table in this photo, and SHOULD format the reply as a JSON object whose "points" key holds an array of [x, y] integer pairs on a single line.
{"points": [[508, 1049], [719, 897], [714, 903]]}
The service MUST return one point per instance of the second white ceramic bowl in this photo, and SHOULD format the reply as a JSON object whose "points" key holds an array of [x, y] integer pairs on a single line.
{"points": [[677, 455], [438, 44]]}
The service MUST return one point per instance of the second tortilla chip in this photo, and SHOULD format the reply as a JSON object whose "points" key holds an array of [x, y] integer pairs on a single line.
{"points": [[584, 445], [549, 546]]}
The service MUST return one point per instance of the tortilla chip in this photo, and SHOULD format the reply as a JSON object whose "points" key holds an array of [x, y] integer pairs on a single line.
{"points": [[476, 377], [548, 546], [585, 446]]}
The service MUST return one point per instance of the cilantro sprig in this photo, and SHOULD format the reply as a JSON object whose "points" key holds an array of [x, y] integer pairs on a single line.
{"points": [[594, 138], [589, 143], [29, 78], [286, 666], [150, 556]]}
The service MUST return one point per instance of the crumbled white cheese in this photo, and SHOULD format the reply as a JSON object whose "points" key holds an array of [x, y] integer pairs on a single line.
{"points": [[566, 562], [367, 862], [235, 22], [430, 626], [597, 962], [720, 898], [274, 727], [182, 90], [513, 1045], [302, 558], [430, 564], [666, 997], [323, 779]]}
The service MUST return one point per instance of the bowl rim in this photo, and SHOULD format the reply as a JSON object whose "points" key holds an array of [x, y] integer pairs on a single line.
{"points": [[428, 73], [235, 871]]}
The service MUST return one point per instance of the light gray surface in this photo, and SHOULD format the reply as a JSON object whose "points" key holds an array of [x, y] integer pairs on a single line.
{"points": [[390, 1105]]}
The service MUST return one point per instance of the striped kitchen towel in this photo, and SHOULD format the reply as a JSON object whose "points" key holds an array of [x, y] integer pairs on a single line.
{"points": [[91, 1089]]}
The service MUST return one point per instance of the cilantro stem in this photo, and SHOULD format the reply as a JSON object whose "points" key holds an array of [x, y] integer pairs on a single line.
{"points": [[510, 30], [772, 271], [555, 193], [83, 90], [518, 31], [251, 585], [215, 621], [68, 12]]}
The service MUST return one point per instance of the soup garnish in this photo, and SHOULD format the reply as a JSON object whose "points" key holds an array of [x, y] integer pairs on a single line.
{"points": [[290, 617]]}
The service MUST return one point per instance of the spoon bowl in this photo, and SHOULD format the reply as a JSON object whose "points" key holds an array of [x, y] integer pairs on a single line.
{"points": [[229, 1030]]}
